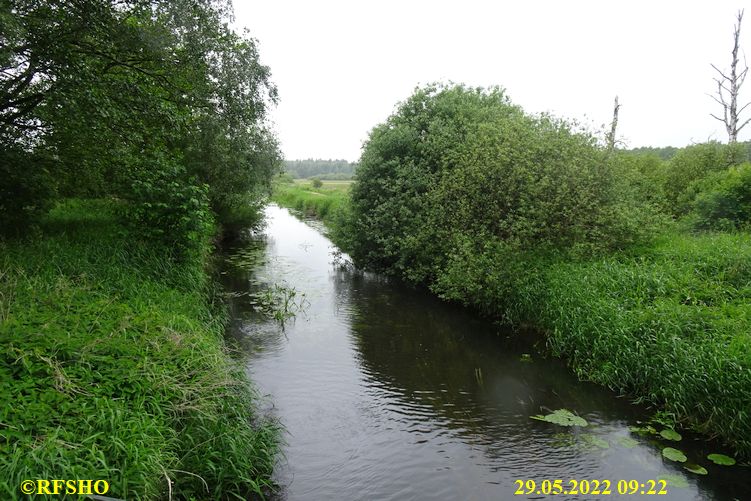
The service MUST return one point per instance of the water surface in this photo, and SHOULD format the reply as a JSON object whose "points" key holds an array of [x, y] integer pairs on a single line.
{"points": [[386, 392]]}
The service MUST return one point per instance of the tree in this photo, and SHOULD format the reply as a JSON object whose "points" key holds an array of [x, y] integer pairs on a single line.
{"points": [[613, 125], [140, 99], [728, 88]]}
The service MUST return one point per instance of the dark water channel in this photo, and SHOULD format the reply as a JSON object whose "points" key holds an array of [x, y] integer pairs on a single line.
{"points": [[386, 392]]}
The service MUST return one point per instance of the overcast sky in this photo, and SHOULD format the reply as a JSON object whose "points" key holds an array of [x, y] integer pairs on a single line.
{"points": [[342, 66]]}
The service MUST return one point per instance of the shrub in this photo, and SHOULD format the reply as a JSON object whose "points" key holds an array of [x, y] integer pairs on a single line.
{"points": [[456, 166], [26, 189], [168, 207], [691, 165], [317, 183], [724, 200]]}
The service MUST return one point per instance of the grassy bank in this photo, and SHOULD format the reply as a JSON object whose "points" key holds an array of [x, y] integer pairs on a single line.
{"points": [[321, 202], [114, 368], [668, 324]]}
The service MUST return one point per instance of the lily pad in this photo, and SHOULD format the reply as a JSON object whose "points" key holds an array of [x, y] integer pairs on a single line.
{"points": [[669, 434], [562, 417], [721, 459], [674, 454], [596, 441], [563, 440], [695, 468], [642, 430], [676, 481], [628, 442]]}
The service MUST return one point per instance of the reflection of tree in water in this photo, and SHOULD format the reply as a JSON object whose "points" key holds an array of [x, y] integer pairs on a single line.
{"points": [[462, 367]]}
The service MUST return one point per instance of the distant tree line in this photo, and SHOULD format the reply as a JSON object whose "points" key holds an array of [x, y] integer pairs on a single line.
{"points": [[668, 152], [321, 169], [158, 104]]}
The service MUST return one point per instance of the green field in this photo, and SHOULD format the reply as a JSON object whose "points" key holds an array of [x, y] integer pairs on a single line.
{"points": [[322, 202]]}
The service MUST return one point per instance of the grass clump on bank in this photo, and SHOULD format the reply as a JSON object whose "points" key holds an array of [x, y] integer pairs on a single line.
{"points": [[321, 202], [114, 367]]}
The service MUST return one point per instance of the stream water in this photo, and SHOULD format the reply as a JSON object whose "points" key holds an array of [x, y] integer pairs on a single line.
{"points": [[386, 392]]}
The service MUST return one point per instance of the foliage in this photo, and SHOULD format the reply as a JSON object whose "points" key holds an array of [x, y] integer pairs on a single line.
{"points": [[644, 177], [456, 169], [325, 202], [113, 367], [316, 183], [94, 88], [26, 186], [663, 153], [321, 169], [690, 166], [723, 201], [168, 209]]}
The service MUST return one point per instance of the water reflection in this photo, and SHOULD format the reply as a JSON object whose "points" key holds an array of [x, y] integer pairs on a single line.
{"points": [[388, 393]]}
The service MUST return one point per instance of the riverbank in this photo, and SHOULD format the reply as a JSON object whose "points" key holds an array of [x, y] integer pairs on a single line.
{"points": [[321, 202], [115, 367], [666, 324]]}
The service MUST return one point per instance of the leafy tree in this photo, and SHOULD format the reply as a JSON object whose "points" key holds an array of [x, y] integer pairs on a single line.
{"points": [[456, 169], [322, 169], [108, 95]]}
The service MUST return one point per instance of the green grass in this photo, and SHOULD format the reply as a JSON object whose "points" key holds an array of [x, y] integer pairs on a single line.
{"points": [[114, 367], [668, 324], [322, 202]]}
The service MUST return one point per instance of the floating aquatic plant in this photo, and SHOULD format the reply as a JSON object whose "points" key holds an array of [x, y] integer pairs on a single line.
{"points": [[596, 441], [675, 481], [695, 468], [562, 417], [721, 459], [627, 442], [674, 454], [669, 434]]}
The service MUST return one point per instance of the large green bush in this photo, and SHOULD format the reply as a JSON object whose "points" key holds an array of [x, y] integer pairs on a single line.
{"points": [[724, 200], [690, 166], [457, 167]]}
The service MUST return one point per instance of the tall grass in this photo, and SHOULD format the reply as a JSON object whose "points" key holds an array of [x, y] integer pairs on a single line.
{"points": [[322, 203], [114, 368]]}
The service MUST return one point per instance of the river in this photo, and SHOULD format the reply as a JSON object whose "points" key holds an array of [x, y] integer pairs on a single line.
{"points": [[386, 392]]}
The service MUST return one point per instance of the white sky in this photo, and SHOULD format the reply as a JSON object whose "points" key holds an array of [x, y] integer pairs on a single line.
{"points": [[342, 66]]}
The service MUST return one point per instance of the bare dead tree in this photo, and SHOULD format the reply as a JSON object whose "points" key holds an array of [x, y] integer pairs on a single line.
{"points": [[613, 125], [728, 87]]}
